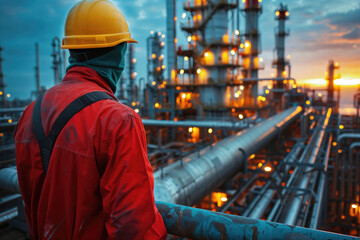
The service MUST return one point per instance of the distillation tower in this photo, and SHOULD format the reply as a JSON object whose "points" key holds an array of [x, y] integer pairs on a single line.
{"points": [[155, 57], [251, 51], [2, 83], [280, 62], [57, 61]]}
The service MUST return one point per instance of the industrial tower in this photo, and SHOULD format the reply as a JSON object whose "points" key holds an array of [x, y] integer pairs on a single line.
{"points": [[2, 83], [211, 60], [155, 57], [280, 62], [252, 49]]}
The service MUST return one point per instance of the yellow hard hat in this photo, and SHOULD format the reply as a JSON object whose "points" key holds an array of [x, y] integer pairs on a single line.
{"points": [[95, 24]]}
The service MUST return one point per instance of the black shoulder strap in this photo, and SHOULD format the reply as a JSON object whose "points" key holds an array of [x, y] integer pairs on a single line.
{"points": [[47, 143]]}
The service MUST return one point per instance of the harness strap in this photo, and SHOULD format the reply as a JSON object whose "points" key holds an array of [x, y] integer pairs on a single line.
{"points": [[47, 143]]}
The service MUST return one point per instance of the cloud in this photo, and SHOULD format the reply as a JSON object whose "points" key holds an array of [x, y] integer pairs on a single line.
{"points": [[354, 34]]}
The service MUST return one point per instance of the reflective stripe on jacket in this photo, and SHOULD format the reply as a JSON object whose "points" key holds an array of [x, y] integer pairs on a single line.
{"points": [[99, 183]]}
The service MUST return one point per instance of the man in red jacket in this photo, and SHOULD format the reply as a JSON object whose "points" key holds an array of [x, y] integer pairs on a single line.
{"points": [[81, 155]]}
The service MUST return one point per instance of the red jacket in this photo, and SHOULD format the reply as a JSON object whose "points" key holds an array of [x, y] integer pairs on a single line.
{"points": [[99, 183]]}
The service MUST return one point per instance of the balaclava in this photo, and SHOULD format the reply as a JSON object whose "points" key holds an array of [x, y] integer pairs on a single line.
{"points": [[109, 65]]}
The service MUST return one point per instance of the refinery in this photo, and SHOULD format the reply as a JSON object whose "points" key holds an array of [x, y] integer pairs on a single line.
{"points": [[234, 155]]}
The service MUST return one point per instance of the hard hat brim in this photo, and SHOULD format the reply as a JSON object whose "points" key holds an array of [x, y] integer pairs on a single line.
{"points": [[97, 45]]}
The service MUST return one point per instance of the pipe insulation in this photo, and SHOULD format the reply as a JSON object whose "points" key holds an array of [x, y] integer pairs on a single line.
{"points": [[203, 171], [9, 180], [203, 124]]}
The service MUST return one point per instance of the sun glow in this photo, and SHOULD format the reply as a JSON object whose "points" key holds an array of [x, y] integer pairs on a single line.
{"points": [[323, 82]]}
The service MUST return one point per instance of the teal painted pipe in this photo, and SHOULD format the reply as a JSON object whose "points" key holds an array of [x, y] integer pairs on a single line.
{"points": [[199, 224]]}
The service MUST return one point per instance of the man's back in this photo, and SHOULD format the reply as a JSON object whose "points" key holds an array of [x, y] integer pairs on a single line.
{"points": [[99, 183]]}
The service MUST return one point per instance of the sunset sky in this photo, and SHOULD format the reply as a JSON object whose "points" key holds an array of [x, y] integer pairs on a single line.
{"points": [[320, 30]]}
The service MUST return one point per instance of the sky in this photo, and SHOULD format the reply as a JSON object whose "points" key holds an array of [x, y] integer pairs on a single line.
{"points": [[320, 30]]}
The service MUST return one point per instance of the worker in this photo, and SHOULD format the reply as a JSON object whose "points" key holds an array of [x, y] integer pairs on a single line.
{"points": [[81, 155]]}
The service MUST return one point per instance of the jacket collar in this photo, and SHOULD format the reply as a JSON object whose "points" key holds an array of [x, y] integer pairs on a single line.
{"points": [[86, 74]]}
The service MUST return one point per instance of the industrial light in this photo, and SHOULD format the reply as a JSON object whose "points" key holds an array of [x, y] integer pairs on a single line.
{"points": [[183, 15], [153, 83], [162, 44], [242, 87], [242, 45], [223, 199], [263, 99], [157, 105], [277, 13], [153, 55], [261, 59], [334, 144], [190, 130], [164, 82], [237, 32], [241, 116], [312, 118], [163, 67], [236, 95], [189, 38], [260, 165], [307, 102], [341, 127], [354, 205], [267, 91], [182, 71], [159, 33], [1, 93], [136, 110], [133, 104], [161, 57], [134, 60], [10, 121], [1, 134], [186, 58], [233, 110], [287, 14], [294, 86], [339, 151], [210, 130], [299, 90], [252, 156], [135, 74], [151, 32], [247, 44], [183, 95], [319, 94], [267, 169], [163, 36], [198, 71], [232, 52], [8, 95], [206, 54], [260, 1]]}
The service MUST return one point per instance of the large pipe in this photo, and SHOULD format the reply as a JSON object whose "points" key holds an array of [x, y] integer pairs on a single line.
{"points": [[203, 171], [294, 203], [9, 180], [202, 124], [202, 224]]}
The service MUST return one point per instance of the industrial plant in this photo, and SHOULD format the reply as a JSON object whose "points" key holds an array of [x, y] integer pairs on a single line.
{"points": [[234, 156]]}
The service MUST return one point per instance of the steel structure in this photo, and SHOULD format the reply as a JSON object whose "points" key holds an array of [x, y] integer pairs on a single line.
{"points": [[2, 82], [156, 58], [282, 14], [57, 61]]}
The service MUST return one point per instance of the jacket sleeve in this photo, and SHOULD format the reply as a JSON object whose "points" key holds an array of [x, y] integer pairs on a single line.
{"points": [[127, 185]]}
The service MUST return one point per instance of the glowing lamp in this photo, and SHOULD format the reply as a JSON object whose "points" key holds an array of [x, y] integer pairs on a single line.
{"points": [[190, 129], [10, 121], [210, 130], [267, 169]]}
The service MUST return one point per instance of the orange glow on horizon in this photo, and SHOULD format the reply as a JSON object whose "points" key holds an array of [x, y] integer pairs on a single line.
{"points": [[322, 82]]}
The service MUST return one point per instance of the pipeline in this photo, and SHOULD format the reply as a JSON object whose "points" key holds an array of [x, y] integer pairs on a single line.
{"points": [[290, 215], [9, 180], [204, 124], [201, 172], [202, 224]]}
